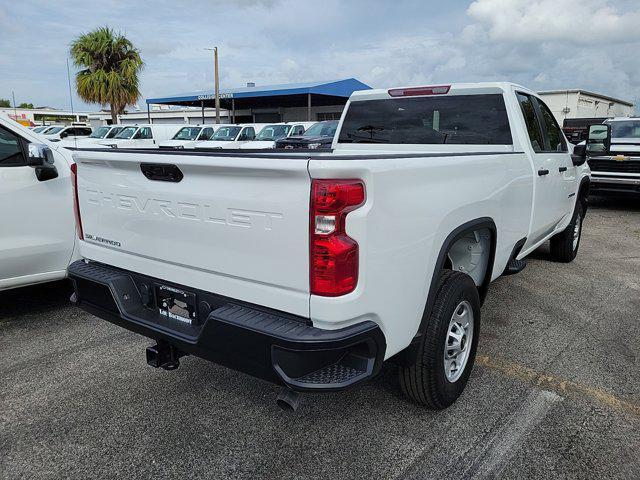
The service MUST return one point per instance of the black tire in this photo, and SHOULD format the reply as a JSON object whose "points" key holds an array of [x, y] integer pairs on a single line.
{"points": [[562, 244], [425, 381]]}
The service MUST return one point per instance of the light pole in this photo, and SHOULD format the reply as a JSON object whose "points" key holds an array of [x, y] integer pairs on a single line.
{"points": [[216, 81]]}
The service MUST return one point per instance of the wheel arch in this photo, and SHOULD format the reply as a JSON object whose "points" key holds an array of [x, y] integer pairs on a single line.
{"points": [[408, 355]]}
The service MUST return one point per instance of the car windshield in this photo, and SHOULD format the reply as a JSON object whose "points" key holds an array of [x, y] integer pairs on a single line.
{"points": [[126, 132], [40, 129], [100, 133], [226, 134], [187, 133], [53, 130], [625, 129], [322, 129], [273, 132]]}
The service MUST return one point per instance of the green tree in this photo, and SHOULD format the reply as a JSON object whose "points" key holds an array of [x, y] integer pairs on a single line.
{"points": [[25, 105], [110, 67], [4, 102]]}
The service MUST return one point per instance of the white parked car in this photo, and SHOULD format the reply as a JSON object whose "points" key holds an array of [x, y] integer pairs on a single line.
{"points": [[101, 133], [141, 136], [230, 136], [311, 269], [37, 233], [188, 136], [266, 138], [68, 133]]}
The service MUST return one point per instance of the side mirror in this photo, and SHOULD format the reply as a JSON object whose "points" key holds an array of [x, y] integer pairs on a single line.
{"points": [[579, 155], [41, 158], [599, 139]]}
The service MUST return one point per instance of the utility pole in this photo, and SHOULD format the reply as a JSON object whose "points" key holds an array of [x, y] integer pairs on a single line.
{"points": [[216, 81]]}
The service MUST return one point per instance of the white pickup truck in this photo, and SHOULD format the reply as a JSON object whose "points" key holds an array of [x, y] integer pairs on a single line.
{"points": [[311, 269]]}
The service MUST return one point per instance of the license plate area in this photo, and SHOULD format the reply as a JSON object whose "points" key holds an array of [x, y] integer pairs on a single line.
{"points": [[177, 305]]}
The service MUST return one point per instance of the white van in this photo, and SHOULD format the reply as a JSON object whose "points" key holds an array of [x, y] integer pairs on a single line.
{"points": [[231, 136], [141, 136], [101, 133], [188, 136], [69, 133], [267, 137]]}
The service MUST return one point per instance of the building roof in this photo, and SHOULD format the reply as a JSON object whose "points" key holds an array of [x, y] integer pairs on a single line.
{"points": [[587, 92], [333, 88]]}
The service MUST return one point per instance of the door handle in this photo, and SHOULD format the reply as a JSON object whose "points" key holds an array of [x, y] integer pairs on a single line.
{"points": [[562, 169], [542, 172]]}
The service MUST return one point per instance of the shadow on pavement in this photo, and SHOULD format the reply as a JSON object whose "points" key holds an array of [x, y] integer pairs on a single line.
{"points": [[35, 299]]}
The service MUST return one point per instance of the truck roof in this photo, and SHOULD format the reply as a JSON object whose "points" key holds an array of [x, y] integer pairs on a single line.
{"points": [[453, 88]]}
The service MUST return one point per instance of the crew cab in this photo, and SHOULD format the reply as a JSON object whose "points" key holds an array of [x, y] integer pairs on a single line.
{"points": [[37, 239], [310, 269], [188, 136], [319, 135], [614, 156], [140, 136], [230, 136]]}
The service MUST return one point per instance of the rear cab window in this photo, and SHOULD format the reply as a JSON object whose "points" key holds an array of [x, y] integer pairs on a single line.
{"points": [[454, 119]]}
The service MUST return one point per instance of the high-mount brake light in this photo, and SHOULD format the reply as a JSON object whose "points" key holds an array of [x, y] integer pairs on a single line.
{"points": [[415, 91], [76, 202], [333, 255]]}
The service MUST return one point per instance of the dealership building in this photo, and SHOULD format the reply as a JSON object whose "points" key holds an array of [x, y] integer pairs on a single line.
{"points": [[577, 103]]}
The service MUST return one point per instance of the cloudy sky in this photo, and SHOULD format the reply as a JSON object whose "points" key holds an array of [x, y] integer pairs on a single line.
{"points": [[543, 44]]}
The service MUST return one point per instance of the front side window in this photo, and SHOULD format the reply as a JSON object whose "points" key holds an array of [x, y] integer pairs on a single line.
{"points": [[551, 129], [113, 132], [143, 134], [531, 121], [187, 133], [10, 150], [297, 130], [456, 119], [126, 133], [206, 133]]}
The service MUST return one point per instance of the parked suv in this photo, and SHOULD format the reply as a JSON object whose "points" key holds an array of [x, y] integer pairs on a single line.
{"points": [[319, 135]]}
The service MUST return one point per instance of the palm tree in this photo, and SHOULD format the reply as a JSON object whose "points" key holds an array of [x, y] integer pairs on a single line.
{"points": [[110, 67]]}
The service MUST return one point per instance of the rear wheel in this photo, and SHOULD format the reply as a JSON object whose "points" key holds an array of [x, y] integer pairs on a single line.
{"points": [[448, 349], [564, 245]]}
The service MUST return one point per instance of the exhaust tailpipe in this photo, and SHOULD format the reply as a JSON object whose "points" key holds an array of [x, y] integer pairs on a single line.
{"points": [[288, 400]]}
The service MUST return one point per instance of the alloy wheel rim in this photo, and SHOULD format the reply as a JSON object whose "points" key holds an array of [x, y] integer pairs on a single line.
{"points": [[458, 341]]}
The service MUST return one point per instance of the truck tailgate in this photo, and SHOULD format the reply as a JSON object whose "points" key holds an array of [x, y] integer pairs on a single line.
{"points": [[235, 226]]}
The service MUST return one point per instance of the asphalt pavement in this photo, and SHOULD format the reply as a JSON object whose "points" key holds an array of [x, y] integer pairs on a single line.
{"points": [[555, 392]]}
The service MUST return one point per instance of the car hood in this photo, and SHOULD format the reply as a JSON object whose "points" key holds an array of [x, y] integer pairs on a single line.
{"points": [[303, 139]]}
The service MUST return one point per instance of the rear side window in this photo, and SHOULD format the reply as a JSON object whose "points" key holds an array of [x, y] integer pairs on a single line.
{"points": [[10, 150], [456, 119], [551, 129], [531, 120]]}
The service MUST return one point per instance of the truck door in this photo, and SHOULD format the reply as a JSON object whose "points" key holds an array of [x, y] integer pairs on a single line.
{"points": [[549, 189], [144, 138], [556, 145], [37, 216]]}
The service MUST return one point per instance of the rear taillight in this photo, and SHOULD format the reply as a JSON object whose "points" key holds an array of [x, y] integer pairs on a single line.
{"points": [[76, 204], [333, 254], [415, 91]]}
